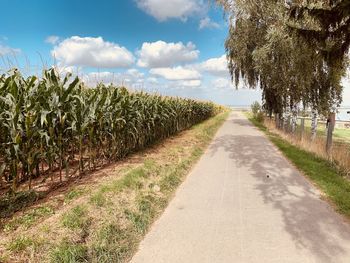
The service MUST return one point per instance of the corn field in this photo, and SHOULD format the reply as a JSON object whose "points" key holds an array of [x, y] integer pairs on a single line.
{"points": [[50, 124]]}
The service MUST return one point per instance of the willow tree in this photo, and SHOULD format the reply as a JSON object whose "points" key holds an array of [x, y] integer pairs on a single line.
{"points": [[325, 26], [264, 52]]}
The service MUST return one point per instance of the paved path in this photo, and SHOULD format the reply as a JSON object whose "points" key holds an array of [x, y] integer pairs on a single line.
{"points": [[227, 210]]}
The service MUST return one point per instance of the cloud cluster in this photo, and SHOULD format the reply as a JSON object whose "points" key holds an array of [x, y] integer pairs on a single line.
{"points": [[162, 54], [92, 52], [161, 64], [163, 10]]}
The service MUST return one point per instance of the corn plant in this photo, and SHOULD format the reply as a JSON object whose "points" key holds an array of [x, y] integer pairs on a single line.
{"points": [[50, 123]]}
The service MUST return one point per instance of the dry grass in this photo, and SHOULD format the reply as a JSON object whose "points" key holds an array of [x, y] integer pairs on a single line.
{"points": [[340, 153]]}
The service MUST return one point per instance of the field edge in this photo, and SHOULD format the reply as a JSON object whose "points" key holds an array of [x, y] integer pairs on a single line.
{"points": [[106, 222]]}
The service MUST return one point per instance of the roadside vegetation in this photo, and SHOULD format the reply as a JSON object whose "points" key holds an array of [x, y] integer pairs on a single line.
{"points": [[324, 173], [104, 220]]}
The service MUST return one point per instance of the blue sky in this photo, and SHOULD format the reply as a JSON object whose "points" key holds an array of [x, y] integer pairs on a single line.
{"points": [[173, 47]]}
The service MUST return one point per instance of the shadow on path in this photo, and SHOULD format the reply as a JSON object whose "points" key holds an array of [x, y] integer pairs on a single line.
{"points": [[309, 221]]}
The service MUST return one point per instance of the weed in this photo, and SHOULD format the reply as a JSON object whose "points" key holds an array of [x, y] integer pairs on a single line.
{"points": [[112, 244], [98, 199], [4, 258], [29, 218], [75, 218], [19, 244], [67, 252], [73, 194], [11, 203]]}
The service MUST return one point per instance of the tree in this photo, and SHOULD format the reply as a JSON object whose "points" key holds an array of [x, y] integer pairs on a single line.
{"points": [[325, 26], [265, 52]]}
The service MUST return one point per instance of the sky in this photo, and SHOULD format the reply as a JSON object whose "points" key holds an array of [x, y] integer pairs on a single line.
{"points": [[172, 47]]}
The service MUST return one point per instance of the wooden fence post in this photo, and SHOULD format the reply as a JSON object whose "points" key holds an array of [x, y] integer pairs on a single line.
{"points": [[330, 129]]}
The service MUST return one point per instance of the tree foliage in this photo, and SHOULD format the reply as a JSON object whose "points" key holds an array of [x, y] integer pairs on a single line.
{"points": [[266, 48]]}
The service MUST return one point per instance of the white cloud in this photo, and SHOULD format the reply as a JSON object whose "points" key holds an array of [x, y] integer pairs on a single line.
{"points": [[191, 83], [215, 66], [127, 78], [152, 80], [221, 84], [52, 39], [176, 73], [92, 52], [208, 23], [6, 50], [162, 54], [163, 10], [94, 78], [135, 73]]}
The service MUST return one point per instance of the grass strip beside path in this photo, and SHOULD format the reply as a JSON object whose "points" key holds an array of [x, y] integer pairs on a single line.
{"points": [[321, 171]]}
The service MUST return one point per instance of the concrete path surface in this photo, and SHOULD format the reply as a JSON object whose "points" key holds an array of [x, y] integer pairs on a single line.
{"points": [[228, 210]]}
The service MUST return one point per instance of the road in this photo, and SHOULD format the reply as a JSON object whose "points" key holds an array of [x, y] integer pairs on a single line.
{"points": [[244, 202]]}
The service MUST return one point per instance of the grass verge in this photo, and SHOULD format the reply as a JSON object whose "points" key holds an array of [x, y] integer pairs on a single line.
{"points": [[105, 221], [321, 171]]}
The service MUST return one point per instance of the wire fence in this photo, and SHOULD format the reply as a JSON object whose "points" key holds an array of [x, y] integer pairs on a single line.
{"points": [[330, 139]]}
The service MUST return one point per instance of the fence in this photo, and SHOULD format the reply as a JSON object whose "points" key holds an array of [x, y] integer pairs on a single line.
{"points": [[338, 151], [324, 127], [330, 141]]}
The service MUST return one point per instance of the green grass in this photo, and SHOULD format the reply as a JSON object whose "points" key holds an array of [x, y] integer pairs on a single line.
{"points": [[20, 243], [342, 134], [29, 218], [4, 258], [67, 252], [339, 134], [73, 194], [112, 243], [13, 202], [98, 199], [146, 211], [76, 218], [321, 171]]}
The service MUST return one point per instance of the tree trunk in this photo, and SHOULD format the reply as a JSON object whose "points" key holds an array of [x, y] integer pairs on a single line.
{"points": [[314, 124], [294, 118], [286, 118]]}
